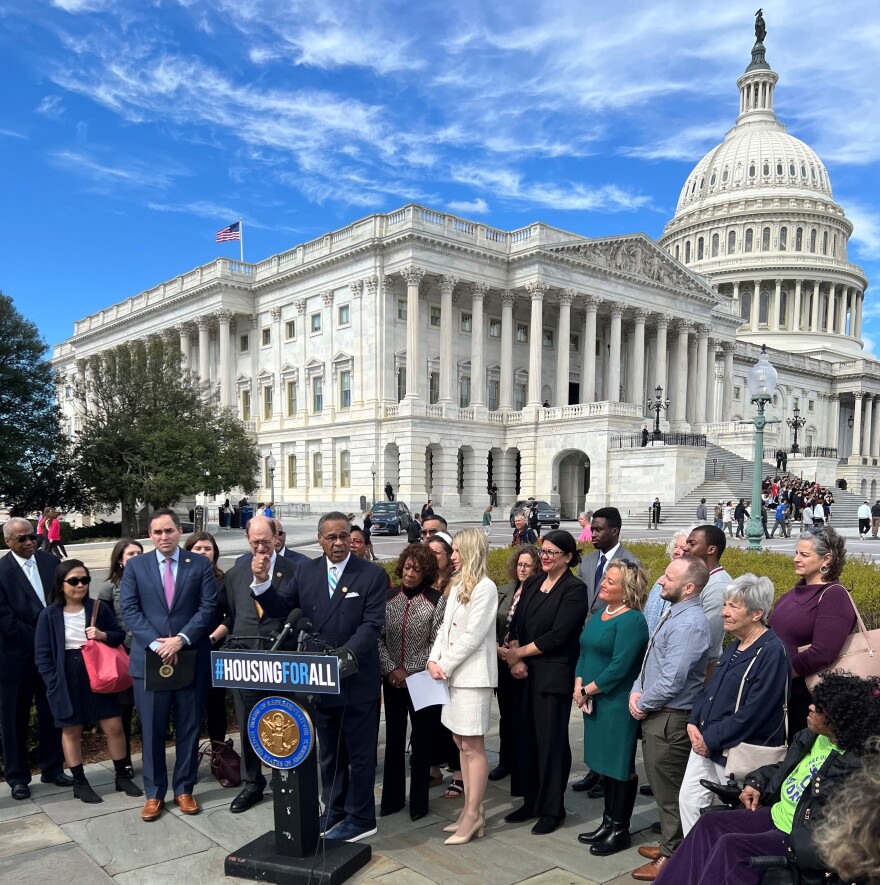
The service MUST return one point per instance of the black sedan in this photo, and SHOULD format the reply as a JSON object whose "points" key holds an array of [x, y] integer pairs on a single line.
{"points": [[390, 518], [547, 515]]}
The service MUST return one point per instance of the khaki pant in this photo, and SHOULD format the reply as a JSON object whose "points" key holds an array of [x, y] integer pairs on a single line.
{"points": [[875, 524]]}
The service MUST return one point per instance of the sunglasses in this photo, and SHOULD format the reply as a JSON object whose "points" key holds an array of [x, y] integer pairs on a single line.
{"points": [[425, 533], [20, 539], [75, 582]]}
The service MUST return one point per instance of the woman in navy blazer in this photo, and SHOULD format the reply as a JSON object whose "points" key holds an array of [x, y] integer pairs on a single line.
{"points": [[62, 629]]}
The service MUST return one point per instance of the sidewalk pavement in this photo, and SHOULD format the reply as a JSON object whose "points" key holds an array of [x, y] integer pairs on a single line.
{"points": [[54, 837]]}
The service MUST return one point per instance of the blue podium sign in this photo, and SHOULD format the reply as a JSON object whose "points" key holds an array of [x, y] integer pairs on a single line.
{"points": [[275, 671]]}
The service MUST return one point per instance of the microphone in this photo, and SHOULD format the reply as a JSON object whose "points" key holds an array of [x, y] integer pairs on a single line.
{"points": [[305, 627], [292, 619]]}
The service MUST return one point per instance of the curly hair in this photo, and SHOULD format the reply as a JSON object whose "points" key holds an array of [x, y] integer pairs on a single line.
{"points": [[851, 706], [848, 837], [423, 557], [528, 549], [825, 541], [634, 581]]}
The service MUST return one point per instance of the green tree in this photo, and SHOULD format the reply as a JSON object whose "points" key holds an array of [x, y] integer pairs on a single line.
{"points": [[35, 470], [151, 434]]}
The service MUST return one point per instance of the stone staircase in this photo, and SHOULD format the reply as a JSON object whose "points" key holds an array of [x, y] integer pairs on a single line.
{"points": [[729, 478]]}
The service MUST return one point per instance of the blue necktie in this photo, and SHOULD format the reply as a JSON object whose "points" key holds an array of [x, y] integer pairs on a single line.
{"points": [[333, 580], [600, 571]]}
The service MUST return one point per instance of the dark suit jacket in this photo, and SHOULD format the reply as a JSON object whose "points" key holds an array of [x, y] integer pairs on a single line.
{"points": [[193, 612], [294, 556], [553, 621], [237, 601], [587, 573], [50, 651], [352, 618], [20, 608]]}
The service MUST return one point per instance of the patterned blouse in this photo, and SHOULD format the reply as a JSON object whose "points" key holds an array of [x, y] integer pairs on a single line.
{"points": [[412, 618]]}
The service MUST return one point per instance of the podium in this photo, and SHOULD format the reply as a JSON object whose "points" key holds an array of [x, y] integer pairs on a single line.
{"points": [[281, 732]]}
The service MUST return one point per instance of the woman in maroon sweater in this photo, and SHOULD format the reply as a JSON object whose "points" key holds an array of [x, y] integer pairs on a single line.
{"points": [[816, 613]]}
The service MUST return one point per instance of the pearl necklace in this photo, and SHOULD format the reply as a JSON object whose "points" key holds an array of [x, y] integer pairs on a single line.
{"points": [[611, 613]]}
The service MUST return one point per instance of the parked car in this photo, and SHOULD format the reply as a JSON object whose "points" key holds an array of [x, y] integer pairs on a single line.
{"points": [[547, 515], [390, 518]]}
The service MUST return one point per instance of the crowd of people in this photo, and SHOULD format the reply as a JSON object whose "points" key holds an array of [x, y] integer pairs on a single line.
{"points": [[640, 663]]}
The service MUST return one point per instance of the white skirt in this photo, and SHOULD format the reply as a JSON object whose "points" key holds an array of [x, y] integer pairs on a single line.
{"points": [[467, 712]]}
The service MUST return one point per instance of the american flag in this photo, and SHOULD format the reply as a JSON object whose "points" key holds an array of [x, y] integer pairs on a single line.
{"points": [[233, 232]]}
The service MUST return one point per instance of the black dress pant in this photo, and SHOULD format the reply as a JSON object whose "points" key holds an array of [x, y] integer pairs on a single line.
{"points": [[543, 750], [215, 708], [424, 722], [18, 693], [252, 776], [509, 694]]}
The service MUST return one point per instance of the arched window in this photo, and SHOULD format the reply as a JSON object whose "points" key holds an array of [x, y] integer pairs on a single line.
{"points": [[783, 307], [725, 175], [825, 243], [731, 242], [676, 252], [779, 167], [687, 252], [752, 170], [715, 242], [791, 170], [750, 239], [813, 172], [766, 169], [799, 240], [813, 240], [803, 170], [317, 470], [700, 246], [713, 179], [764, 308], [834, 247], [745, 304], [765, 240], [783, 239]]}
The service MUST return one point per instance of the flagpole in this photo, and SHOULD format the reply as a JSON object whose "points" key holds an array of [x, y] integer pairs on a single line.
{"points": [[241, 239]]}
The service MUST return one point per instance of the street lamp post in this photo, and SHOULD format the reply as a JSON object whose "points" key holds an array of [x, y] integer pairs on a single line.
{"points": [[373, 474], [762, 384], [795, 424], [271, 464], [657, 405]]}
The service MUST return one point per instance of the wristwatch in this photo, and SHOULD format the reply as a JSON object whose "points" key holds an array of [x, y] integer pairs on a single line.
{"points": [[584, 692]]}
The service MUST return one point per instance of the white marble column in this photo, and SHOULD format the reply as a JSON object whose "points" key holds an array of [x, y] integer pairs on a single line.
{"points": [[727, 386], [860, 298], [358, 377], [536, 292], [795, 324], [867, 440], [563, 351], [875, 430], [857, 426], [638, 364], [413, 277], [755, 312], [703, 380], [711, 382], [833, 424], [303, 385], [505, 390], [588, 367], [661, 348], [224, 317], [613, 393], [690, 412], [814, 313], [679, 403], [204, 343], [774, 306], [185, 347], [737, 308], [829, 309], [447, 284], [478, 365], [841, 310]]}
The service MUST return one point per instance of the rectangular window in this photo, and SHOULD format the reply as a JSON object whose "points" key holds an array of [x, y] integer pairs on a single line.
{"points": [[344, 469], [575, 343], [401, 383], [433, 387], [291, 471], [736, 392], [244, 344], [522, 333], [466, 322], [811, 406], [345, 389], [316, 323], [290, 329], [344, 315], [267, 403], [493, 396], [266, 337], [401, 310], [519, 396], [317, 395], [435, 317], [245, 405], [317, 470], [464, 393], [547, 338], [291, 398], [494, 327]]}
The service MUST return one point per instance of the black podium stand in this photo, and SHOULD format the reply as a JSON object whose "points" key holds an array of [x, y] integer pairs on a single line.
{"points": [[294, 852]]}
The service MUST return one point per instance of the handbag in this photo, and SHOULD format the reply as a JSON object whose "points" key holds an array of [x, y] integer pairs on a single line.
{"points": [[744, 758], [107, 667], [225, 762], [859, 654]]}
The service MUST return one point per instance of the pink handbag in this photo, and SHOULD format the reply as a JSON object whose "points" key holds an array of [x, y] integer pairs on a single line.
{"points": [[107, 667]]}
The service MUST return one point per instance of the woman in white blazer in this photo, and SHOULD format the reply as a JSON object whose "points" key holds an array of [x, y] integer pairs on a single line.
{"points": [[464, 654]]}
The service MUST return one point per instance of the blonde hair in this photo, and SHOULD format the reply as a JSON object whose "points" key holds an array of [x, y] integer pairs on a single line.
{"points": [[634, 582], [473, 553]]}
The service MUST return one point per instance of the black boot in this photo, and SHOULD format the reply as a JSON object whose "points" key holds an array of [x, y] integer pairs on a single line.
{"points": [[124, 783], [82, 789], [604, 828], [623, 797]]}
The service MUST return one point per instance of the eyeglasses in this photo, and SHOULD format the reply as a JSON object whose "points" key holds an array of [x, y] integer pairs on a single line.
{"points": [[342, 536], [258, 544], [75, 582], [20, 539], [549, 554]]}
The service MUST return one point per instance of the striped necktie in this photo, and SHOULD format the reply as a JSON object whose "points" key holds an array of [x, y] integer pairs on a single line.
{"points": [[333, 580]]}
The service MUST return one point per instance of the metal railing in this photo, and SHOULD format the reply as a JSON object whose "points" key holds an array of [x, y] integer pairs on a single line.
{"points": [[634, 440], [803, 452], [294, 511]]}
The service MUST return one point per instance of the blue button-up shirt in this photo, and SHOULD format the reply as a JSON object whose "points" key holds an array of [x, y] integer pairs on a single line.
{"points": [[675, 669]]}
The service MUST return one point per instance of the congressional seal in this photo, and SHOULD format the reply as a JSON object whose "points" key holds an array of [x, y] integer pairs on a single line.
{"points": [[280, 732]]}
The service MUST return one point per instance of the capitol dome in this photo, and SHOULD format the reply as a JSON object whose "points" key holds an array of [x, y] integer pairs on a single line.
{"points": [[757, 217]]}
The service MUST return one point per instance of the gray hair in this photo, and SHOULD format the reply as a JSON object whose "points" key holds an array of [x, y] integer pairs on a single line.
{"points": [[334, 516], [672, 541], [15, 524], [582, 513], [754, 592]]}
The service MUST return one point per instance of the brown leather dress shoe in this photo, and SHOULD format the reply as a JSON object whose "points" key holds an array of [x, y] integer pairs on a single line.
{"points": [[186, 803], [652, 852], [650, 871], [152, 809]]}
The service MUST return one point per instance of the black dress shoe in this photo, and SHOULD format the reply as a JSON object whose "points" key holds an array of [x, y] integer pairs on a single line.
{"points": [[618, 839], [546, 824], [519, 815], [21, 791], [587, 782], [646, 790], [60, 780], [498, 773], [598, 834], [247, 798]]}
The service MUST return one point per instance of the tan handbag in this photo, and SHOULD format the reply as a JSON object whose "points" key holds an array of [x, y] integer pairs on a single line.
{"points": [[860, 654], [744, 758]]}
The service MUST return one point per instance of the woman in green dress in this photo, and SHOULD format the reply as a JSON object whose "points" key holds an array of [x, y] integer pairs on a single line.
{"points": [[613, 645]]}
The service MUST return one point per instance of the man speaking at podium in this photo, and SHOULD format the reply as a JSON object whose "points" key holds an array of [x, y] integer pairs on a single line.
{"points": [[259, 593], [344, 597]]}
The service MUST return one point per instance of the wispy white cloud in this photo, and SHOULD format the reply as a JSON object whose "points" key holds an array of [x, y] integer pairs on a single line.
{"points": [[135, 174], [866, 230], [470, 207], [51, 106], [686, 144], [11, 133], [82, 6]]}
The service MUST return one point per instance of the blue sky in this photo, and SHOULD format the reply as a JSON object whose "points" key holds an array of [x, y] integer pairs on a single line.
{"points": [[132, 130]]}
